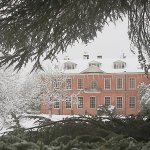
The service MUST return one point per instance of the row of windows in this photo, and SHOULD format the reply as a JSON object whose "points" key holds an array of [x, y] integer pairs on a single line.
{"points": [[70, 65], [107, 83], [80, 103], [117, 65], [119, 83], [119, 102], [107, 101]]}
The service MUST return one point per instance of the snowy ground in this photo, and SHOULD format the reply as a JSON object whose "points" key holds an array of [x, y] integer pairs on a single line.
{"points": [[26, 122]]}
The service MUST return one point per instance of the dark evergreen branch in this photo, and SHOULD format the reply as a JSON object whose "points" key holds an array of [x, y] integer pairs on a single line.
{"points": [[31, 30]]}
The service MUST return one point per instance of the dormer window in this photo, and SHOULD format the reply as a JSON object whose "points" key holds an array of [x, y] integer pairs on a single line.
{"points": [[69, 65], [94, 63], [119, 64]]}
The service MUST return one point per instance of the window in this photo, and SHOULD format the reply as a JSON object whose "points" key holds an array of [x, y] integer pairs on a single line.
{"points": [[107, 85], [132, 83], [92, 102], [69, 65], [94, 63], [94, 84], [119, 84], [107, 101], [68, 102], [80, 83], [119, 102], [56, 83], [56, 104], [132, 102], [68, 84], [80, 102], [119, 64]]}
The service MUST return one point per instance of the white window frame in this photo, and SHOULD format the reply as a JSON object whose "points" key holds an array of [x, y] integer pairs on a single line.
{"points": [[69, 66], [56, 84], [93, 84], [70, 86], [82, 104], [82, 85], [105, 100], [131, 103], [92, 102], [119, 102], [117, 83], [94, 64], [130, 86], [119, 65], [55, 104], [105, 83], [68, 100]]}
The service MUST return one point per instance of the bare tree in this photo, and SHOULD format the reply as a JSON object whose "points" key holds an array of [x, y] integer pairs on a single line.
{"points": [[10, 101], [144, 98], [56, 88], [30, 92]]}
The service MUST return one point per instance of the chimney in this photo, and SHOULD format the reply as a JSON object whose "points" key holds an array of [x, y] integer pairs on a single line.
{"points": [[99, 57], [85, 55], [123, 56], [66, 58]]}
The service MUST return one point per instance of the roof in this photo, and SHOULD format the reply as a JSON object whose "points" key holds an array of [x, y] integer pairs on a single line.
{"points": [[107, 65], [69, 62], [118, 61], [92, 69], [93, 61]]}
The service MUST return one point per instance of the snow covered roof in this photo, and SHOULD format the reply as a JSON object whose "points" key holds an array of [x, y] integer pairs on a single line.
{"points": [[107, 65], [118, 61], [92, 69], [93, 61], [69, 62]]}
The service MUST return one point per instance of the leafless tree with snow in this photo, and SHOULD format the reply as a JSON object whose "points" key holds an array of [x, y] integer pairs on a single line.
{"points": [[56, 87], [144, 96], [10, 101]]}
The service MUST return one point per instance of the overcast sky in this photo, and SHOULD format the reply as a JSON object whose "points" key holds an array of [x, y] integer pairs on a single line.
{"points": [[112, 42]]}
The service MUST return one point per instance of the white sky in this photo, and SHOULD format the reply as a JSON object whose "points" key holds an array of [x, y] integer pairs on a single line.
{"points": [[111, 43]]}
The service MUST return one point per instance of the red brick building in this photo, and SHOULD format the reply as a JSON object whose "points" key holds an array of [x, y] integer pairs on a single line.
{"points": [[100, 82]]}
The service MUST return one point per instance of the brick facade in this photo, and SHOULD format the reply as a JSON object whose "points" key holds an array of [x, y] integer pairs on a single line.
{"points": [[95, 91]]}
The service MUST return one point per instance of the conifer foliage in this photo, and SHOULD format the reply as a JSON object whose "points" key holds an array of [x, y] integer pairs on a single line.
{"points": [[82, 133], [31, 29]]}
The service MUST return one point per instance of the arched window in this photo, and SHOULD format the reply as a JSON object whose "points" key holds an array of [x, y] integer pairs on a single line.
{"points": [[94, 84]]}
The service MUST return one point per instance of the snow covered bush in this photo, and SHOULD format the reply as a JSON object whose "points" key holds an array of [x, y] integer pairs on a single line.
{"points": [[106, 110], [144, 97]]}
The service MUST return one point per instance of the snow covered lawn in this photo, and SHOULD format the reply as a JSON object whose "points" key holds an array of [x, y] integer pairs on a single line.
{"points": [[27, 122]]}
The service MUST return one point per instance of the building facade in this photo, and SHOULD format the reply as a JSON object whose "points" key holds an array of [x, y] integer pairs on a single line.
{"points": [[99, 82]]}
